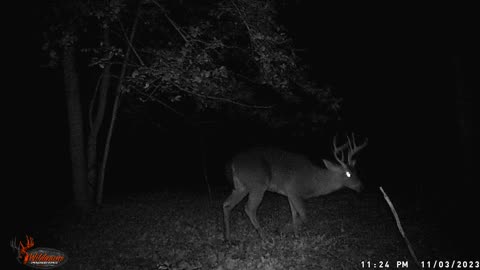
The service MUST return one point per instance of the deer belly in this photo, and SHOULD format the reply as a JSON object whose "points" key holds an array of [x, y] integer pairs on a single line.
{"points": [[274, 187]]}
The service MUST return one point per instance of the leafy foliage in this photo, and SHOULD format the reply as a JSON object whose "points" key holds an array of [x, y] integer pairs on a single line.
{"points": [[237, 55], [230, 56]]}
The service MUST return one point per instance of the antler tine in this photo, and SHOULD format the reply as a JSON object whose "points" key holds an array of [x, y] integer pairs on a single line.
{"points": [[336, 150], [30, 241], [13, 243], [350, 144], [353, 148]]}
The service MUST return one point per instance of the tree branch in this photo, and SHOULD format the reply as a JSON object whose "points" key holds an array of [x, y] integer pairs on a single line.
{"points": [[162, 103], [130, 44], [92, 102], [221, 99], [243, 18], [171, 22]]}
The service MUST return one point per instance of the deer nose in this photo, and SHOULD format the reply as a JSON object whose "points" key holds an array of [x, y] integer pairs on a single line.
{"points": [[359, 188]]}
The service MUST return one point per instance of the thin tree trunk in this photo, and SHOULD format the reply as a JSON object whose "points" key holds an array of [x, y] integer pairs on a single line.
{"points": [[97, 118], [116, 105], [81, 197], [101, 176], [204, 165]]}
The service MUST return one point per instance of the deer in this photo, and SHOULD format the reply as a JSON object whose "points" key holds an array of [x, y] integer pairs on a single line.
{"points": [[261, 169]]}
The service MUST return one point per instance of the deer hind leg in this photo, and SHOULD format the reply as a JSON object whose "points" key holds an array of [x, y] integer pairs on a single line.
{"points": [[298, 211], [232, 200], [254, 200]]}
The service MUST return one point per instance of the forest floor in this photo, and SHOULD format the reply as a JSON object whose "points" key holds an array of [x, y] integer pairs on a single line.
{"points": [[172, 230]]}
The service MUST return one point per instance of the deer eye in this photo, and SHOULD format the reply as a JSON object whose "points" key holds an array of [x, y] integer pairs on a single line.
{"points": [[348, 174]]}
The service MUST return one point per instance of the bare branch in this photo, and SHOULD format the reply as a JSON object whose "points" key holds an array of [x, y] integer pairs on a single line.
{"points": [[130, 44], [221, 99], [171, 22], [400, 228], [151, 97], [242, 16], [92, 103]]}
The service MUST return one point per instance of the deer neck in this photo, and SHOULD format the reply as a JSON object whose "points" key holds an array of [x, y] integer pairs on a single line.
{"points": [[326, 182]]}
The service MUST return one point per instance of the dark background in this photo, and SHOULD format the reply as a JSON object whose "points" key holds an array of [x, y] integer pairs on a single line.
{"points": [[398, 71]]}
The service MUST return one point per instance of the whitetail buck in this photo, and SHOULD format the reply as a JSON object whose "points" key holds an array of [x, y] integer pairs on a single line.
{"points": [[260, 169]]}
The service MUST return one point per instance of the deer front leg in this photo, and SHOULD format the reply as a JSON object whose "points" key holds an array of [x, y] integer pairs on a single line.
{"points": [[234, 198], [254, 200], [298, 213]]}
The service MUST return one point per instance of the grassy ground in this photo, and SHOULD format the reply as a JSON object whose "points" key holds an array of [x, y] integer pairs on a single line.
{"points": [[184, 231]]}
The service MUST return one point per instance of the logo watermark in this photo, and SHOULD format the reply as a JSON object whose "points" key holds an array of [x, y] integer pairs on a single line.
{"points": [[38, 258]]}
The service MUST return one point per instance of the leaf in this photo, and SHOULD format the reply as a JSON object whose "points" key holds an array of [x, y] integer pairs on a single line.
{"points": [[134, 74], [197, 79]]}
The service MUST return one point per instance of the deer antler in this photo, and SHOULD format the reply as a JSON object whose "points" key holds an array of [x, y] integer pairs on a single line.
{"points": [[337, 150], [28, 245], [13, 244], [353, 148]]}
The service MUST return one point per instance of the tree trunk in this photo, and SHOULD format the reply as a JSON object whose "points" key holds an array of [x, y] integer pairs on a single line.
{"points": [[116, 105], [203, 149], [81, 197], [103, 165], [96, 118]]}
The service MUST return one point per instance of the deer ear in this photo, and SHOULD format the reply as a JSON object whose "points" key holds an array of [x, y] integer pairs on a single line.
{"points": [[331, 166]]}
